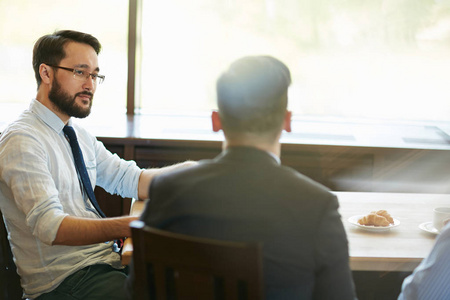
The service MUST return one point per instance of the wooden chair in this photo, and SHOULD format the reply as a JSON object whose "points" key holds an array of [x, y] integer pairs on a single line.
{"points": [[175, 266], [9, 279]]}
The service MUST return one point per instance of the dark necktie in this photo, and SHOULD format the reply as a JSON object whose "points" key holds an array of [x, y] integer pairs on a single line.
{"points": [[81, 167]]}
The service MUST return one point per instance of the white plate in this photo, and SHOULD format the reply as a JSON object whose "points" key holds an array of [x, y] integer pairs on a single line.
{"points": [[354, 221], [428, 227]]}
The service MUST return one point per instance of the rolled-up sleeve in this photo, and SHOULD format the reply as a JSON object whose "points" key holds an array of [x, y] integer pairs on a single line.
{"points": [[25, 170], [115, 175]]}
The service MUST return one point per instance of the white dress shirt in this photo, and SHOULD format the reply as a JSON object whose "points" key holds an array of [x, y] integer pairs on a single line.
{"points": [[39, 187]]}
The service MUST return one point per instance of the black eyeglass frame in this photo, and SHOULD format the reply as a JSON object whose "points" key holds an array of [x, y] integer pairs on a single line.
{"points": [[75, 75]]}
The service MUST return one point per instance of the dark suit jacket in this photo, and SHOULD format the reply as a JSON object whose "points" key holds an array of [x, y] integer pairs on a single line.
{"points": [[245, 195]]}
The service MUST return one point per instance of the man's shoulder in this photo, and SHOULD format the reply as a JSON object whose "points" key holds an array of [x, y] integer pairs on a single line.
{"points": [[203, 166], [276, 176], [25, 125], [294, 177]]}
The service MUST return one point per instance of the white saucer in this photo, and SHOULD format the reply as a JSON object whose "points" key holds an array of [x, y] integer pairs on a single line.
{"points": [[354, 221], [428, 227]]}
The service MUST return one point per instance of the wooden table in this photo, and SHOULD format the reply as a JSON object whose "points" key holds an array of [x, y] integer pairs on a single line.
{"points": [[137, 207], [400, 249]]}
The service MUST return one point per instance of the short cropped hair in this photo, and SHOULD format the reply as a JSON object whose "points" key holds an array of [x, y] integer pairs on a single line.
{"points": [[49, 49], [252, 96]]}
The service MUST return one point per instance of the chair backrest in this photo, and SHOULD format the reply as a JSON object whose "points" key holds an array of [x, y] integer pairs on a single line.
{"points": [[9, 279], [175, 266]]}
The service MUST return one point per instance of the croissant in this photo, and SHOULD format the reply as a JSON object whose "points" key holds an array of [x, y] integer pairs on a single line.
{"points": [[373, 219], [385, 214]]}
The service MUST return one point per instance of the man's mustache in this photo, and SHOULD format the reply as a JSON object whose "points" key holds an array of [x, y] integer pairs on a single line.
{"points": [[85, 93]]}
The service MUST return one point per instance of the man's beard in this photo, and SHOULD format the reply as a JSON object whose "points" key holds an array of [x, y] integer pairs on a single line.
{"points": [[66, 104]]}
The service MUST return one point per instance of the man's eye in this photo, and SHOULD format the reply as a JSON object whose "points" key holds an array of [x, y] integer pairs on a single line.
{"points": [[78, 72]]}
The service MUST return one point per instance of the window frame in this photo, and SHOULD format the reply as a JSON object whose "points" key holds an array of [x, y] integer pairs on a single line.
{"points": [[134, 12]]}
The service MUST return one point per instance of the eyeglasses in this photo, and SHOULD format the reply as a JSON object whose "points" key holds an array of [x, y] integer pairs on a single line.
{"points": [[83, 75]]}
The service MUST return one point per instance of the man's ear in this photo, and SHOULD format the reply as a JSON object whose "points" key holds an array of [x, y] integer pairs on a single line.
{"points": [[287, 121], [216, 123], [44, 72]]}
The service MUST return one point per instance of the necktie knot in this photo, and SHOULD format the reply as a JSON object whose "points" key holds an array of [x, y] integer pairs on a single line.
{"points": [[70, 133]]}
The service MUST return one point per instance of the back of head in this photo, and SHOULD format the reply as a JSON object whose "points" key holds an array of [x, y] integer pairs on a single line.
{"points": [[49, 49], [252, 96]]}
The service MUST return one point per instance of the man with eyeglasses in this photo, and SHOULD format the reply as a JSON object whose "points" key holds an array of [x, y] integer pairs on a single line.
{"points": [[61, 241]]}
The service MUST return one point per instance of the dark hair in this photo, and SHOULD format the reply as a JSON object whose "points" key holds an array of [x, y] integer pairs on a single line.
{"points": [[49, 49], [252, 96]]}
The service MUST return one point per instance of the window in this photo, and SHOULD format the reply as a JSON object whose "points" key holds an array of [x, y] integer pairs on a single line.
{"points": [[371, 59], [386, 59], [24, 21]]}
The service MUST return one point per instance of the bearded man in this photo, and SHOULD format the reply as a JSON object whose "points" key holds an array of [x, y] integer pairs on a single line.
{"points": [[63, 245]]}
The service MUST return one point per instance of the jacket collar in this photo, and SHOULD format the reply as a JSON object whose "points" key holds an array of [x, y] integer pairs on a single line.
{"points": [[248, 155]]}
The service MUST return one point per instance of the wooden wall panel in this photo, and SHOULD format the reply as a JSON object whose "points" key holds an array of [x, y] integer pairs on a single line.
{"points": [[340, 168]]}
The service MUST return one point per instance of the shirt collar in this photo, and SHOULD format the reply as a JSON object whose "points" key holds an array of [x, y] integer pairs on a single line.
{"points": [[277, 159], [47, 116]]}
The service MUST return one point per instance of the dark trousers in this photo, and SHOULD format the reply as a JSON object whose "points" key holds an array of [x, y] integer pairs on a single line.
{"points": [[91, 283]]}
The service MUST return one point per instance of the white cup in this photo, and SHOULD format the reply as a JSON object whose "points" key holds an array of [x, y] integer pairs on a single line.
{"points": [[440, 216]]}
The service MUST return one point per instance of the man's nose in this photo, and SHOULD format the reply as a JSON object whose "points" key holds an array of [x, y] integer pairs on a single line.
{"points": [[90, 84]]}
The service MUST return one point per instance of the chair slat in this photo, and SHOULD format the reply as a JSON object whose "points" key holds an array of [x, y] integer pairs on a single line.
{"points": [[197, 264]]}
